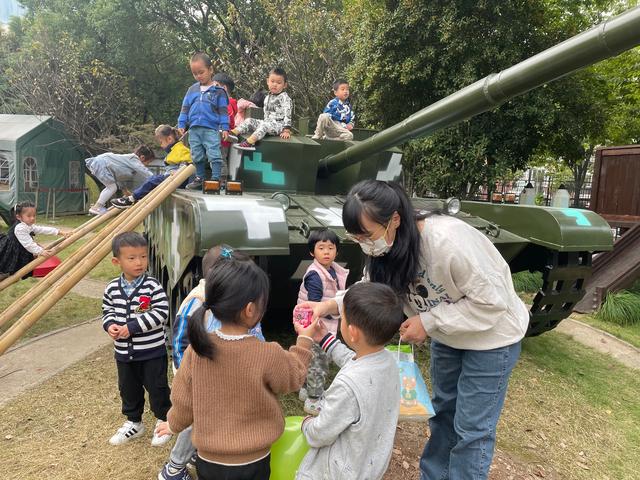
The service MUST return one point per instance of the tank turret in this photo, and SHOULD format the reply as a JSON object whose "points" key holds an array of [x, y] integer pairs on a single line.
{"points": [[291, 187]]}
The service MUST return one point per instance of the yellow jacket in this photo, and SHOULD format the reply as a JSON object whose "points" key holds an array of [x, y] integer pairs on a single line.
{"points": [[179, 154]]}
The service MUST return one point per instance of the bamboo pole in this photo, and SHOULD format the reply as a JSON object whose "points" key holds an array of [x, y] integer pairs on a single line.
{"points": [[109, 231], [59, 245], [80, 270]]}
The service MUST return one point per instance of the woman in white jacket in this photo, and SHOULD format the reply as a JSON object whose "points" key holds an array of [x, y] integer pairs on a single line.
{"points": [[457, 289]]}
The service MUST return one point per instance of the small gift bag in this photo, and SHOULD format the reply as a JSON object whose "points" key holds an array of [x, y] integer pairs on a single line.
{"points": [[415, 401]]}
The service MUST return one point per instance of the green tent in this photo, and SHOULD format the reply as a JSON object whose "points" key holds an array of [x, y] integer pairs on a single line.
{"points": [[40, 163]]}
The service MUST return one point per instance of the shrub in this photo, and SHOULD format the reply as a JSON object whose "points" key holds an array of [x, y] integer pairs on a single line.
{"points": [[621, 308], [527, 281]]}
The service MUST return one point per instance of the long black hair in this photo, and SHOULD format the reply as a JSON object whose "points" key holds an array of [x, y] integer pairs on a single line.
{"points": [[378, 200], [17, 210], [231, 284]]}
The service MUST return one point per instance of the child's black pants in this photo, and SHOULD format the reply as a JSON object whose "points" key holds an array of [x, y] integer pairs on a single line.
{"points": [[134, 377], [260, 470]]}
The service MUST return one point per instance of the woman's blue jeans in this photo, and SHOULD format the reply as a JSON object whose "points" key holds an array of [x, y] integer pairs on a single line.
{"points": [[469, 387]]}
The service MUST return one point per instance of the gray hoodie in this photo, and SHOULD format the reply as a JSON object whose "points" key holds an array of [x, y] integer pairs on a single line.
{"points": [[352, 437]]}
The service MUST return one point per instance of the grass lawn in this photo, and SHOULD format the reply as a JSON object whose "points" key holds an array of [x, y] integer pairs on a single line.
{"points": [[71, 310], [568, 408]]}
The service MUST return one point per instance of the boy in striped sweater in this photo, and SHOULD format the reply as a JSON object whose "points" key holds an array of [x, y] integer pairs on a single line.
{"points": [[134, 312]]}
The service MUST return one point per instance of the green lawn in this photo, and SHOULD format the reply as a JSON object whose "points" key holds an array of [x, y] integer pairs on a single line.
{"points": [[71, 310]]}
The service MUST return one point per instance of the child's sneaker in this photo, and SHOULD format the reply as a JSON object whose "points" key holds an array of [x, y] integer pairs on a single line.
{"points": [[123, 202], [245, 146], [192, 461], [232, 138], [171, 473], [159, 440], [312, 406], [127, 432], [302, 394], [97, 210], [195, 184]]}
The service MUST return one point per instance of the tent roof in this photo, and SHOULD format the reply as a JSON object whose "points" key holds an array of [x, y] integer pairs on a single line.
{"points": [[12, 127]]}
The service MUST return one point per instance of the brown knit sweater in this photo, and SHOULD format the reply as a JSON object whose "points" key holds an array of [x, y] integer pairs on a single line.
{"points": [[232, 400]]}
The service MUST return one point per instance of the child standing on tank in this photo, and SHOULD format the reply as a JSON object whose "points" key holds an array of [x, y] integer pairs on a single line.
{"points": [[336, 120], [278, 108], [204, 114], [17, 247], [322, 280], [225, 81]]}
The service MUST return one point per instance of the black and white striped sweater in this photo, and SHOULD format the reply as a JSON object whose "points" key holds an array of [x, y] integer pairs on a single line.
{"points": [[144, 312]]}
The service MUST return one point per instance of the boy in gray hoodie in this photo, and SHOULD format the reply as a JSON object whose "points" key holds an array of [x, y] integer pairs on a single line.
{"points": [[352, 437]]}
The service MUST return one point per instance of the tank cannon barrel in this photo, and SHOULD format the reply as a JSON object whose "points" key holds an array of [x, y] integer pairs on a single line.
{"points": [[605, 40]]}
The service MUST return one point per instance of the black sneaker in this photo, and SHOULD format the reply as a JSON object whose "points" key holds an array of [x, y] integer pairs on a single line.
{"points": [[123, 202], [196, 184]]}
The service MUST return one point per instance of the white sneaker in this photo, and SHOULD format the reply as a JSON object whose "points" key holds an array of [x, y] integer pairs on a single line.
{"points": [[302, 394], [159, 440], [312, 406], [127, 432], [97, 210]]}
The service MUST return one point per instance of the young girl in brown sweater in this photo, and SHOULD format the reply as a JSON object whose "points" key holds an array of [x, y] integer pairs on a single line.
{"points": [[228, 381]]}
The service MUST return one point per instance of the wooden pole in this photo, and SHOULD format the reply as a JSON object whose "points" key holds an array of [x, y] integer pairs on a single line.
{"points": [[59, 245], [13, 310], [79, 271]]}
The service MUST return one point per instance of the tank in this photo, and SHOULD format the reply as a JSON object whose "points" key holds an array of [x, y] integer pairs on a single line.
{"points": [[291, 187]]}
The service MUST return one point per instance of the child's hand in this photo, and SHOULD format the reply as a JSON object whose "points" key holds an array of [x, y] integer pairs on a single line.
{"points": [[320, 332], [124, 332], [225, 135], [286, 133], [321, 309], [113, 331], [180, 131], [66, 234], [349, 126], [163, 429], [46, 253], [306, 331]]}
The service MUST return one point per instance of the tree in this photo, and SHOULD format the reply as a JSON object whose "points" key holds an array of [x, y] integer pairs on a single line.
{"points": [[247, 39], [420, 52], [90, 100]]}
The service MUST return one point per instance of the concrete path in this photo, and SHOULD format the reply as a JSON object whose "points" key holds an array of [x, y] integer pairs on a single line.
{"points": [[34, 361], [90, 288], [602, 342]]}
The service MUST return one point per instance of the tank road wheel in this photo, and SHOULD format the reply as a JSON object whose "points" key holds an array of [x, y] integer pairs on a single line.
{"points": [[563, 286]]}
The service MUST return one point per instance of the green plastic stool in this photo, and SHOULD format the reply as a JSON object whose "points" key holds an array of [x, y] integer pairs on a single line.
{"points": [[288, 451]]}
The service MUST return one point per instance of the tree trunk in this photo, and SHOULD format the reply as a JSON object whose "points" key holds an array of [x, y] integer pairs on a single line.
{"points": [[579, 171]]}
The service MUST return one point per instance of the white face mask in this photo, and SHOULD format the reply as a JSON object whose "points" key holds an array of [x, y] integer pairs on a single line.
{"points": [[377, 248], [374, 248]]}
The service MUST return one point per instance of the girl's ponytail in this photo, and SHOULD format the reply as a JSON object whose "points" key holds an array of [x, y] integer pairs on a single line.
{"points": [[198, 336]]}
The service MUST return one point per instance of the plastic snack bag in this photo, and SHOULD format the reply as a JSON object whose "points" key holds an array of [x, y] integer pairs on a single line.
{"points": [[303, 316], [415, 401]]}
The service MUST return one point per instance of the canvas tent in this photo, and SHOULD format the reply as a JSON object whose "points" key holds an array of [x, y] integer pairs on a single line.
{"points": [[40, 163]]}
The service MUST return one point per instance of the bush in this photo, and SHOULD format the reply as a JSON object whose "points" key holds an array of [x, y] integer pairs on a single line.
{"points": [[621, 308], [527, 281]]}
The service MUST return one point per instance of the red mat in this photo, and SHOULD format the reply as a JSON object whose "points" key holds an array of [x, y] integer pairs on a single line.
{"points": [[48, 265]]}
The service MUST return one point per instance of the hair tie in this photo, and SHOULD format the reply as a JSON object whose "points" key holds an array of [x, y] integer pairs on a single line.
{"points": [[226, 252]]}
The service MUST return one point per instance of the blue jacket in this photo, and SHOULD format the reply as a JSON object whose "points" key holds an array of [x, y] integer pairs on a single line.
{"points": [[340, 111], [204, 109]]}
